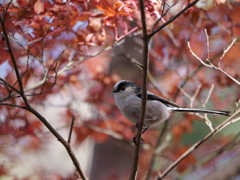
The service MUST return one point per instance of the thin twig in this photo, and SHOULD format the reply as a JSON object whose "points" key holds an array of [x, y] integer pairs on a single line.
{"points": [[13, 105], [237, 104], [160, 17], [226, 50], [155, 153], [53, 67], [196, 145], [208, 46], [9, 85], [173, 18], [187, 79], [14, 62], [233, 142], [211, 65], [71, 129], [191, 98], [198, 58], [192, 75], [198, 69], [207, 120], [209, 95], [33, 111], [63, 141], [5, 12], [70, 65]]}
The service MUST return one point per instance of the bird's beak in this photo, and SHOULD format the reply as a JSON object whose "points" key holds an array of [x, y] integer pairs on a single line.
{"points": [[114, 90]]}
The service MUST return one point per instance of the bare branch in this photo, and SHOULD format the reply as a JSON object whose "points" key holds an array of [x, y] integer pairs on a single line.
{"points": [[211, 65], [144, 91], [209, 95], [63, 141], [195, 94], [13, 61], [226, 50], [71, 129], [5, 12], [13, 105], [191, 98], [9, 85], [33, 111], [198, 58], [208, 48], [53, 67], [207, 120], [196, 145], [237, 104], [70, 65], [146, 38], [158, 148], [198, 69], [173, 18], [233, 142]]}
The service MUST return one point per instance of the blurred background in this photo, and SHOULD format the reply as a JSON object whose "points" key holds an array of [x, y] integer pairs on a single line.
{"points": [[71, 53]]}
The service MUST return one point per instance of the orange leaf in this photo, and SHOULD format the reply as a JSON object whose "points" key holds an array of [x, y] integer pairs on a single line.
{"points": [[118, 8], [38, 7]]}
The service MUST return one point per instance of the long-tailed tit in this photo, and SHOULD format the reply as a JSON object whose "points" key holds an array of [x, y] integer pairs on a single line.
{"points": [[127, 96]]}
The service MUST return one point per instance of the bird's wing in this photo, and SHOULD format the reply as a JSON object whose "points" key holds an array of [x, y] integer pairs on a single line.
{"points": [[153, 97]]}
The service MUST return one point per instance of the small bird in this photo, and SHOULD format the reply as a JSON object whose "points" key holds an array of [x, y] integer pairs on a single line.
{"points": [[127, 97]]}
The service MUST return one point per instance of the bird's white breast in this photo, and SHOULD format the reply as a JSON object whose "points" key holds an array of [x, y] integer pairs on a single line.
{"points": [[130, 106]]}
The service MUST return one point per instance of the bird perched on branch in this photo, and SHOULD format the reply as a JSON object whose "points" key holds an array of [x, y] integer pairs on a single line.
{"points": [[127, 97]]}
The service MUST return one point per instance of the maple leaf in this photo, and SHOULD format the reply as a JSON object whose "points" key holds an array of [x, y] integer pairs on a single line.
{"points": [[118, 8]]}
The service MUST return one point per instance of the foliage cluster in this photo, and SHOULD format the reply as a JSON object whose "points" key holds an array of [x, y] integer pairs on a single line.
{"points": [[62, 51]]}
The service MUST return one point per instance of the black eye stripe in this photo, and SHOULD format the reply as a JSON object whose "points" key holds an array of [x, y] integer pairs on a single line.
{"points": [[123, 85]]}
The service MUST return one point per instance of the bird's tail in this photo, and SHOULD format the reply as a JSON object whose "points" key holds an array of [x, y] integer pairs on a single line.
{"points": [[225, 113]]}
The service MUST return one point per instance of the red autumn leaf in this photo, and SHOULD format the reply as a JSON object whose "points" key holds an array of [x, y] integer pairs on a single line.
{"points": [[33, 127], [82, 133]]}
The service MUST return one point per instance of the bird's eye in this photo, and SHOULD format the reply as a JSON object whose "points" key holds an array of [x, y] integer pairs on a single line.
{"points": [[123, 88]]}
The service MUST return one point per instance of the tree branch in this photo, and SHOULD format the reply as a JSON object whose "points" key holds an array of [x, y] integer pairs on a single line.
{"points": [[70, 65], [9, 85], [63, 141], [2, 21], [146, 38], [71, 129], [33, 111], [211, 65], [196, 145], [13, 105], [155, 153], [231, 144], [173, 18], [144, 91]]}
